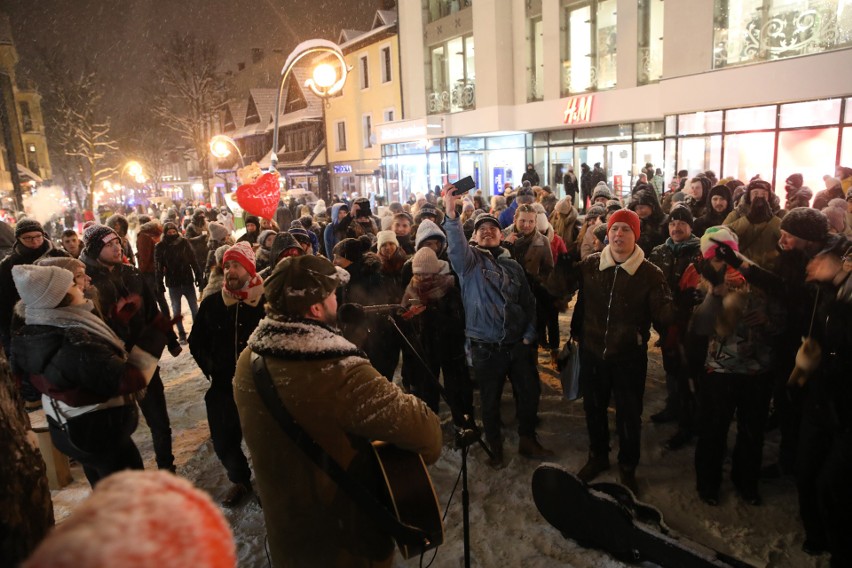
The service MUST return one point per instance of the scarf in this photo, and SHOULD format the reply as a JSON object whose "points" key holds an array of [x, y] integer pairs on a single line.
{"points": [[677, 248], [250, 293], [427, 287], [78, 317]]}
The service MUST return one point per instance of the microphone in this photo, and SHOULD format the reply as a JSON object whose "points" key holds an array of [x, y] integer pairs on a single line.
{"points": [[353, 314], [381, 309]]}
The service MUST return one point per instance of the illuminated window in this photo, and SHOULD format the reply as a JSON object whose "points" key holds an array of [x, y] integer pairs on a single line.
{"points": [[535, 64], [588, 46], [650, 41], [451, 77], [764, 30]]}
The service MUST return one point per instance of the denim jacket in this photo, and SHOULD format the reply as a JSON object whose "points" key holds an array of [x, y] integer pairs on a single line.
{"points": [[498, 304]]}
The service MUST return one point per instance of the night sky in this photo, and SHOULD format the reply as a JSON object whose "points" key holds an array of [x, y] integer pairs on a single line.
{"points": [[119, 35]]}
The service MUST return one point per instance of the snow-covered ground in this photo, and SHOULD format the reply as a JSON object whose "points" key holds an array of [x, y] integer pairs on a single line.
{"points": [[506, 528]]}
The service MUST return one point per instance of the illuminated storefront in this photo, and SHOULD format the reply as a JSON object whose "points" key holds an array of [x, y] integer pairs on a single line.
{"points": [[772, 141]]}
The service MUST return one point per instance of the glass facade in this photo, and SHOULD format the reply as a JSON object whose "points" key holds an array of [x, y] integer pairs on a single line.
{"points": [[650, 41], [748, 31], [437, 9], [451, 76], [588, 46], [535, 64], [772, 141]]}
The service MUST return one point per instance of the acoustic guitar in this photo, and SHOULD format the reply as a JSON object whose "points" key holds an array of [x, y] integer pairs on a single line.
{"points": [[410, 496]]}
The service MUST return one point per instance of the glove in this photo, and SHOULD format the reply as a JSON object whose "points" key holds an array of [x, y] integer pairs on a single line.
{"points": [[727, 255], [125, 308], [690, 297], [713, 276], [175, 349]]}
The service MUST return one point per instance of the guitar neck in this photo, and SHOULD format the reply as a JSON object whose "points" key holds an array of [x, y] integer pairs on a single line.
{"points": [[667, 551]]}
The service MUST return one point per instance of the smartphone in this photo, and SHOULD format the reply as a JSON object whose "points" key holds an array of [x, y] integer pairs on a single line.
{"points": [[463, 185]]}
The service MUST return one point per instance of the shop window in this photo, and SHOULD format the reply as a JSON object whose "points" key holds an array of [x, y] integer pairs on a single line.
{"points": [[648, 130], [535, 63], [599, 133], [588, 46], [810, 152], [699, 154], [468, 144], [754, 118], [437, 9], [748, 155], [848, 119], [671, 125], [650, 41], [811, 113], [539, 138], [846, 150], [387, 72], [509, 141], [341, 136], [562, 137], [451, 76], [747, 31], [699, 123], [364, 72]]}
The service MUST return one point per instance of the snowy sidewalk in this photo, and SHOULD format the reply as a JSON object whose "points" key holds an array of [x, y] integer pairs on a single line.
{"points": [[506, 528]]}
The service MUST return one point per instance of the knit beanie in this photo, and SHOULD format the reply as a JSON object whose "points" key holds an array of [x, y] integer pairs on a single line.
{"points": [[42, 286], [27, 225], [525, 195], [542, 225], [96, 237], [319, 207], [613, 205], [625, 216], [830, 181], [425, 261], [722, 234], [299, 282], [173, 525], [599, 232], [386, 237], [254, 220], [300, 234], [564, 206], [794, 180], [681, 213], [596, 211], [836, 219], [220, 255], [352, 249], [644, 197], [265, 234], [242, 253], [218, 231], [387, 222], [601, 190], [68, 263], [806, 223]]}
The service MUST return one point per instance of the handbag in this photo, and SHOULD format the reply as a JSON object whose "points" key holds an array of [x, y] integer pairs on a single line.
{"points": [[568, 364]]}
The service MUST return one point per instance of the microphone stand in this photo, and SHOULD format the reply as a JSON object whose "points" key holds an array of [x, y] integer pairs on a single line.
{"points": [[465, 437]]}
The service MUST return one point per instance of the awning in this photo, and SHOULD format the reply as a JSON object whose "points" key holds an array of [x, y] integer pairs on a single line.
{"points": [[24, 171]]}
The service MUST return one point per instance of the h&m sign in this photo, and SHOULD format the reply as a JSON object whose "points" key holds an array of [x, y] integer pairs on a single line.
{"points": [[579, 110]]}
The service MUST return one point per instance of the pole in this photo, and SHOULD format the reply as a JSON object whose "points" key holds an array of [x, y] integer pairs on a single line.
{"points": [[6, 125], [327, 184]]}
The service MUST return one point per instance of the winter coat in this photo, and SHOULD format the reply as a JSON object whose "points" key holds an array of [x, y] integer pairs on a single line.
{"points": [[215, 282], [176, 260], [530, 176], [365, 286], [198, 241], [148, 236], [823, 197], [499, 306], [7, 240], [617, 304], [221, 331], [533, 253], [507, 216], [8, 292], [673, 259], [758, 242], [334, 232], [565, 224], [342, 403], [283, 216]]}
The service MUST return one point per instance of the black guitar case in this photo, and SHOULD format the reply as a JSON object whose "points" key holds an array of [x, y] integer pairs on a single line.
{"points": [[607, 516]]}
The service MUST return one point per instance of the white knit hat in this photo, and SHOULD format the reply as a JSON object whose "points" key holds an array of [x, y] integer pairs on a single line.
{"points": [[386, 237], [42, 286], [425, 261]]}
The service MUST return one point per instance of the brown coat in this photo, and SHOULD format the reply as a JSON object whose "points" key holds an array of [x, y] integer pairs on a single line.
{"points": [[342, 402], [148, 236]]}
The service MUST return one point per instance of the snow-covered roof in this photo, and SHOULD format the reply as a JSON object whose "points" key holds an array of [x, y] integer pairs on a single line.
{"points": [[264, 101], [238, 113], [348, 35], [384, 18]]}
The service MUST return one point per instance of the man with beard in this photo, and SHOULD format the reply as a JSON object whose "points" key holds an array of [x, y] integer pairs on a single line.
{"points": [[756, 226], [341, 402], [720, 205], [30, 245], [223, 325], [673, 257], [620, 294], [129, 307]]}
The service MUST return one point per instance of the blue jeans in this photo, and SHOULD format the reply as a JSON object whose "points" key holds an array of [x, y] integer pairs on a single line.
{"points": [[186, 291], [492, 363]]}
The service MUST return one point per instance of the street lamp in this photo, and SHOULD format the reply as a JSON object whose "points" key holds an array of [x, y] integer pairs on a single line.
{"points": [[135, 170], [327, 79], [219, 148]]}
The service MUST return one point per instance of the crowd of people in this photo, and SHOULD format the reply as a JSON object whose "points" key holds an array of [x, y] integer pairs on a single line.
{"points": [[749, 294]]}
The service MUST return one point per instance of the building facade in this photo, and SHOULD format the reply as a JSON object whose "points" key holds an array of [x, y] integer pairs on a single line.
{"points": [[741, 87], [371, 97]]}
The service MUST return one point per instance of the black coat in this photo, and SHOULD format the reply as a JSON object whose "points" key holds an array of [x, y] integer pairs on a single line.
{"points": [[176, 260], [198, 242], [220, 333]]}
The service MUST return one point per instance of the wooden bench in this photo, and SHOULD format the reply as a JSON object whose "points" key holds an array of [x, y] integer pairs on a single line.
{"points": [[58, 468]]}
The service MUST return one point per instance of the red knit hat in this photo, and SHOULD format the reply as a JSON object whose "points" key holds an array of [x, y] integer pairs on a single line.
{"points": [[242, 253], [624, 216]]}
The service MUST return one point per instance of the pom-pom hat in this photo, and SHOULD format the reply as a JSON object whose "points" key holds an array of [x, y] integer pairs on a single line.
{"points": [[42, 286], [719, 234]]}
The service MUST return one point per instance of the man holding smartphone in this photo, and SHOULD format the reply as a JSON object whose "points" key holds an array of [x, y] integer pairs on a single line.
{"points": [[499, 326]]}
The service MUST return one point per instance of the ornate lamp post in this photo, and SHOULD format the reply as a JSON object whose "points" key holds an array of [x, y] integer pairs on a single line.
{"points": [[219, 148], [326, 80]]}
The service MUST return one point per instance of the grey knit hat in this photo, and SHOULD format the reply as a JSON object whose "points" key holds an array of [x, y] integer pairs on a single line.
{"points": [[42, 286], [218, 231], [66, 262]]}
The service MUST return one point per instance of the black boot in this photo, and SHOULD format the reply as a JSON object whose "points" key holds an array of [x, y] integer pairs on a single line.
{"points": [[627, 477], [596, 465]]}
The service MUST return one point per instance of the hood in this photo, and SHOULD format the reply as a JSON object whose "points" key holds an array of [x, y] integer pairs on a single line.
{"points": [[263, 236], [335, 210], [118, 223], [152, 228], [427, 230], [280, 243]]}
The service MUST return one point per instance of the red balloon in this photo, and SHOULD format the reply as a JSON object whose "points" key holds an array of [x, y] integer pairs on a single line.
{"points": [[261, 197]]}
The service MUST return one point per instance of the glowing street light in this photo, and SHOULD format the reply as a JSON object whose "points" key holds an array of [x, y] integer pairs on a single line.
{"points": [[219, 147], [327, 79]]}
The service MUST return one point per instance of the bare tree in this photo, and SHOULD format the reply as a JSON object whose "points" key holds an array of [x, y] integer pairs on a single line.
{"points": [[80, 129], [190, 92], [149, 142]]}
